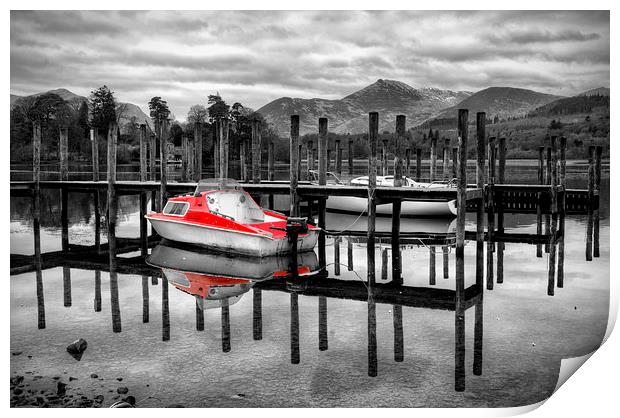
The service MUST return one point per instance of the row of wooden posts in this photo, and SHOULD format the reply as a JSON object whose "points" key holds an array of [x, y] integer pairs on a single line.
{"points": [[192, 155]]}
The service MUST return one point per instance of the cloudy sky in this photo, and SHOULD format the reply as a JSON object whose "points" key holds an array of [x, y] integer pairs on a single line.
{"points": [[256, 57]]}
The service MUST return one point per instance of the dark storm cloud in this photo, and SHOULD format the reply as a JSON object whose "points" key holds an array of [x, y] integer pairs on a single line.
{"points": [[541, 36], [257, 56]]}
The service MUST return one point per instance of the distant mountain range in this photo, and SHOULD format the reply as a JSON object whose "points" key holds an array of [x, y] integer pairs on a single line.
{"points": [[350, 114], [423, 107], [500, 101], [128, 110], [601, 91]]}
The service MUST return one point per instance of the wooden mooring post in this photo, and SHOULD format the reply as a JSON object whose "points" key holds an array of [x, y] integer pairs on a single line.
{"points": [[554, 215], [591, 182], [433, 167], [501, 178], [243, 160], [184, 158], [198, 151], [191, 159], [299, 153], [294, 172], [548, 182], [399, 341], [216, 147], [418, 164], [446, 159], [455, 162], [224, 148], [112, 214], [36, 218], [256, 139], [384, 158], [63, 151], [373, 132], [94, 140], [163, 163], [153, 157], [350, 157], [396, 205], [322, 182], [541, 180], [459, 309], [338, 159], [329, 159], [408, 162], [480, 205], [560, 269], [309, 159], [596, 214], [490, 211], [143, 195], [143, 153], [271, 170]]}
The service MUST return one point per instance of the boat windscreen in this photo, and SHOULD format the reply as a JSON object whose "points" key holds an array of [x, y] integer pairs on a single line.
{"points": [[217, 184], [236, 205]]}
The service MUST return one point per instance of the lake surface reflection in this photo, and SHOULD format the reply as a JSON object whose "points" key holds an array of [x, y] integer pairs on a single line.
{"points": [[199, 329]]}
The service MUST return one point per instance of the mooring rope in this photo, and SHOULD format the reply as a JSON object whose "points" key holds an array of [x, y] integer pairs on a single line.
{"points": [[346, 228]]}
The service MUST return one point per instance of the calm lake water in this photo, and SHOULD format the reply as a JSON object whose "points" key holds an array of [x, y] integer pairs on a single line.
{"points": [[525, 332]]}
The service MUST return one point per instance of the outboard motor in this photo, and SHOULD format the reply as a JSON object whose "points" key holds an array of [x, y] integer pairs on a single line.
{"points": [[294, 227]]}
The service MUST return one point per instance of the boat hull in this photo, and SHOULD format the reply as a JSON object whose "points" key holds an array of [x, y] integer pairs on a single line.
{"points": [[224, 240], [168, 255], [358, 205]]}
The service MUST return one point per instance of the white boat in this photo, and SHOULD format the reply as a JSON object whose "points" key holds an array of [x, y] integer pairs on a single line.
{"points": [[409, 208], [355, 223]]}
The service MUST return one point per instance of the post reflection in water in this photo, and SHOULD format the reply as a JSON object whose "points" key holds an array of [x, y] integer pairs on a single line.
{"points": [[431, 267], [372, 334], [38, 263], [294, 328], [257, 314], [165, 311], [66, 286], [200, 316], [225, 326], [446, 261], [322, 323], [114, 303], [97, 300], [218, 281], [398, 333], [145, 299]]}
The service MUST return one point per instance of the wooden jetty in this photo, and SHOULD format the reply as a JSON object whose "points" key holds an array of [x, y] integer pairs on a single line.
{"points": [[488, 195]]}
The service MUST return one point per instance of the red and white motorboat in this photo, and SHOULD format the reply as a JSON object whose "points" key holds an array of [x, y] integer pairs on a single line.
{"points": [[225, 218]]}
